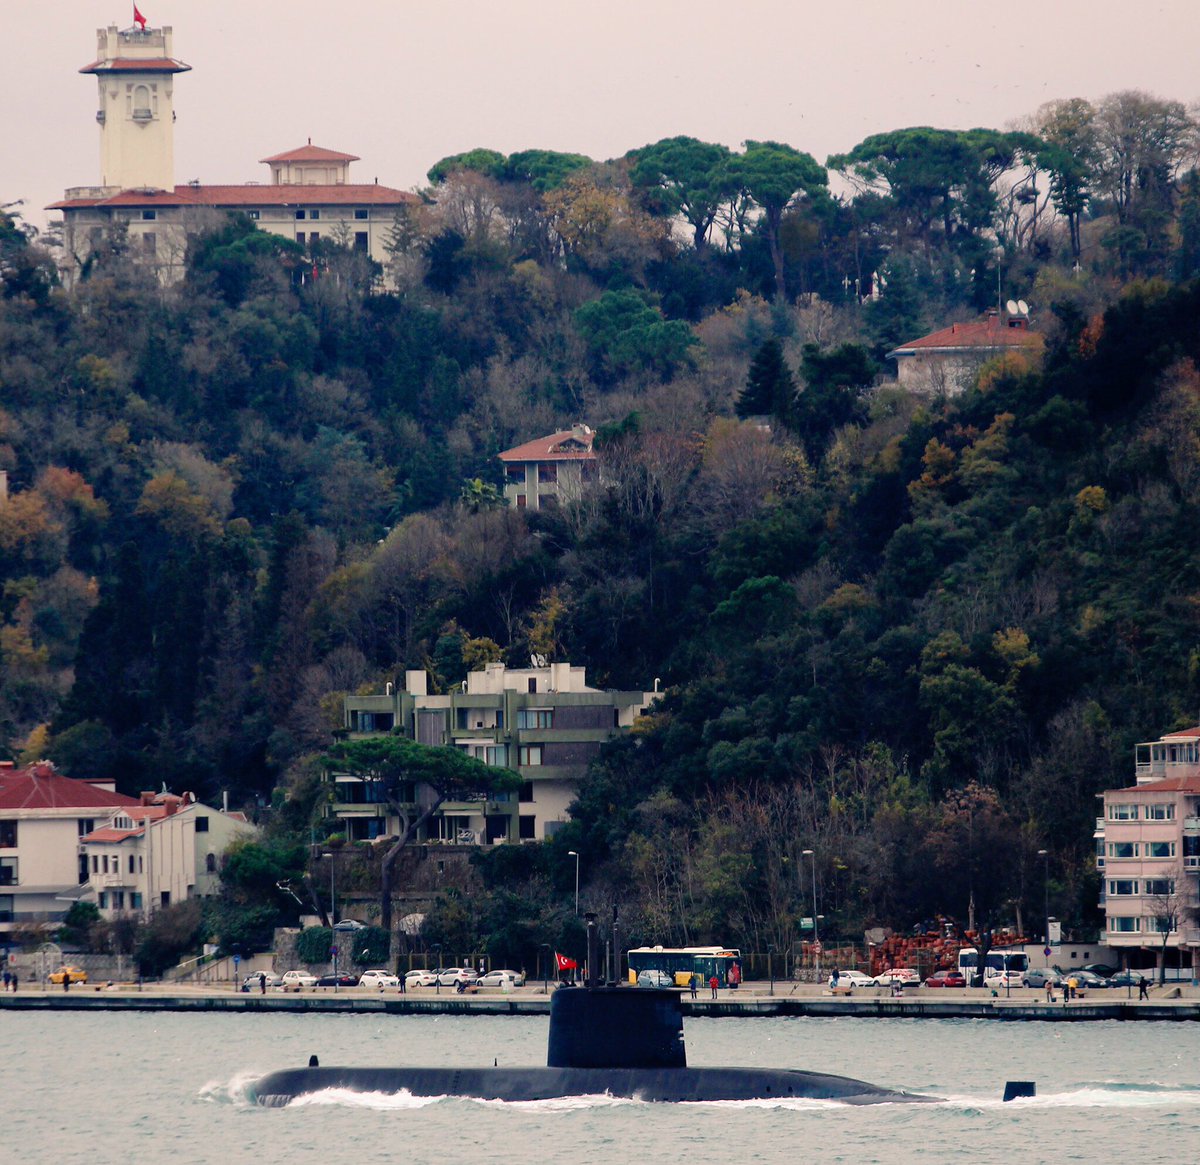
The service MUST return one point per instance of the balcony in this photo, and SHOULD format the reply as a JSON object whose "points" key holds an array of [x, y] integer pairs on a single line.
{"points": [[1191, 825]]}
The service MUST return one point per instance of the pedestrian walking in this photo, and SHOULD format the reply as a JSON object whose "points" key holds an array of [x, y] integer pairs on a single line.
{"points": [[262, 982], [1143, 989], [7, 978], [1049, 990], [14, 982], [714, 983]]}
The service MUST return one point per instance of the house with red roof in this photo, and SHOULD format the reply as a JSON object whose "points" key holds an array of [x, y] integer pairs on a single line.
{"points": [[163, 849], [550, 470], [309, 195], [43, 816], [947, 361], [1148, 855]]}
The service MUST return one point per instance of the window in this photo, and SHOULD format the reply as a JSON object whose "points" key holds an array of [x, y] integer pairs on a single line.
{"points": [[6, 908], [103, 900], [1162, 923], [141, 868], [361, 213], [1122, 812], [254, 215], [1158, 887], [313, 236], [1160, 849], [548, 502], [201, 824], [83, 869], [149, 215], [1119, 886], [520, 501], [85, 825], [300, 237], [210, 863], [149, 242], [8, 872], [497, 754], [527, 827], [515, 472], [95, 864], [535, 717], [1160, 812], [131, 863], [300, 214], [1122, 849], [360, 242], [135, 900], [8, 834], [1125, 925], [526, 794], [314, 213], [529, 754], [548, 472], [118, 899], [165, 899]]}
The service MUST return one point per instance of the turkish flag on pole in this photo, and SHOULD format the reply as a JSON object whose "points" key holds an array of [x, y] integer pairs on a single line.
{"points": [[563, 963], [138, 18]]}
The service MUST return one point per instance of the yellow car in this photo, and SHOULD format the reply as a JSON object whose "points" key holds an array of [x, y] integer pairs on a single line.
{"points": [[68, 975]]}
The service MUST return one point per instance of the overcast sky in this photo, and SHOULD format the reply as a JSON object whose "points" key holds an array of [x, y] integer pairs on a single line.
{"points": [[403, 84]]}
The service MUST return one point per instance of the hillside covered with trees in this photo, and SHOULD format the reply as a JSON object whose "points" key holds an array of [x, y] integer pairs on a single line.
{"points": [[916, 636]]}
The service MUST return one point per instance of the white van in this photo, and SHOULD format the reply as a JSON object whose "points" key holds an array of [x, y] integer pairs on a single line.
{"points": [[1004, 968]]}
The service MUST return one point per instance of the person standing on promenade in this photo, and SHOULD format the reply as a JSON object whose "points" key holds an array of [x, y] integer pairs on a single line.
{"points": [[714, 983], [1143, 992], [694, 983]]}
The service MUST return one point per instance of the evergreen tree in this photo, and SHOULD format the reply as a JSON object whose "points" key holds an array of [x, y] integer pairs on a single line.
{"points": [[770, 387]]}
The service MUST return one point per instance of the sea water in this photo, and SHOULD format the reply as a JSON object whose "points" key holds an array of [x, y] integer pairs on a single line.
{"points": [[117, 1087]]}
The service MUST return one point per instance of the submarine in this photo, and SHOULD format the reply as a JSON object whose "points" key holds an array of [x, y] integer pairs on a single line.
{"points": [[605, 1040]]}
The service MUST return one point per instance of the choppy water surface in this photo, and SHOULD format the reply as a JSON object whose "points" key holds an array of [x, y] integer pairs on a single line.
{"points": [[99, 1087]]}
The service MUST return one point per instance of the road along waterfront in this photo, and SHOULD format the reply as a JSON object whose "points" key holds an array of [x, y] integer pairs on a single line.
{"points": [[103, 1086]]}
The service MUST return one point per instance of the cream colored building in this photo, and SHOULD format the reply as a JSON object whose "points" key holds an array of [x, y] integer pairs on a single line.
{"points": [[159, 851], [43, 816], [550, 471], [309, 195], [946, 362]]}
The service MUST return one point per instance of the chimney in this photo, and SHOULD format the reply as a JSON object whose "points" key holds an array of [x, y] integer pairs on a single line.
{"points": [[145, 798]]}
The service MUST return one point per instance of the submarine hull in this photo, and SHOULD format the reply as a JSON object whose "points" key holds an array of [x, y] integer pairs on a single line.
{"points": [[524, 1084]]}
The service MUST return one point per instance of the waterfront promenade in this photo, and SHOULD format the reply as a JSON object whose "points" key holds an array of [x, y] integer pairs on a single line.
{"points": [[1171, 1003]]}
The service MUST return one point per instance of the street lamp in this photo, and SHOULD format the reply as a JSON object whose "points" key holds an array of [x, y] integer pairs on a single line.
{"points": [[1045, 856], [572, 854], [545, 967], [437, 966], [816, 933], [771, 965], [332, 890]]}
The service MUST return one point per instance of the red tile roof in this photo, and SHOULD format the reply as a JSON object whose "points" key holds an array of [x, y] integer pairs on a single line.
{"points": [[1186, 783], [551, 448], [311, 153], [982, 334], [133, 65], [108, 834], [41, 787], [249, 195]]}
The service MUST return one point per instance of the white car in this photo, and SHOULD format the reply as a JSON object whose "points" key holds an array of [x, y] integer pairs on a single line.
{"points": [[294, 980], [852, 979], [902, 976], [652, 977], [378, 978], [453, 976], [419, 978], [499, 978]]}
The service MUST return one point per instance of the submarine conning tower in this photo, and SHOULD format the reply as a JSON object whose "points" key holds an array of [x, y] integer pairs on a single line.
{"points": [[610, 1026]]}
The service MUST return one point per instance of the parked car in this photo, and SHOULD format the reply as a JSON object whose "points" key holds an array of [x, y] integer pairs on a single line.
{"points": [[852, 979], [1040, 976], [340, 980], [1129, 979], [951, 977], [499, 978], [1104, 970], [995, 978], [654, 978], [453, 976], [419, 978], [1086, 980], [345, 924], [252, 982], [294, 980], [378, 978], [905, 976], [68, 975]]}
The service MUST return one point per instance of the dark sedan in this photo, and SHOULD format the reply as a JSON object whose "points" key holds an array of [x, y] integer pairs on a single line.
{"points": [[338, 981]]}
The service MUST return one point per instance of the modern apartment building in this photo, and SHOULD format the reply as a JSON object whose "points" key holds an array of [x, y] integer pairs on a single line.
{"points": [[1148, 854], [544, 721]]}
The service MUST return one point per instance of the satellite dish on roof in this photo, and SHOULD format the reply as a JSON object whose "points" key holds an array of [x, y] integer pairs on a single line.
{"points": [[533, 661], [1022, 307], [1012, 307]]}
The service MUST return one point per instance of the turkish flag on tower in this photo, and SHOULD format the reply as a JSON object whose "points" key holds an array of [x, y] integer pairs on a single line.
{"points": [[138, 18], [563, 963]]}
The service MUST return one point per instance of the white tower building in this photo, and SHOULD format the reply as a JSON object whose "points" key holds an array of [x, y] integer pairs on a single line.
{"points": [[135, 72]]}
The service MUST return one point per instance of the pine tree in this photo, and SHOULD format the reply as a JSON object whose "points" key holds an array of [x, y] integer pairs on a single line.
{"points": [[770, 387]]}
